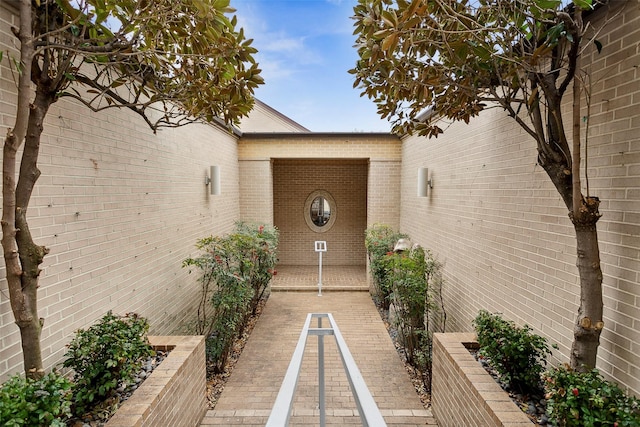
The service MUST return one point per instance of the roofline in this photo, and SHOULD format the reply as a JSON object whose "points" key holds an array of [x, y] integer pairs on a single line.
{"points": [[280, 115], [218, 122], [307, 135]]}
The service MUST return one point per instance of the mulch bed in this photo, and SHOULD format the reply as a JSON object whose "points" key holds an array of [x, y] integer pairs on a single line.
{"points": [[217, 381], [534, 406], [102, 412], [415, 375]]}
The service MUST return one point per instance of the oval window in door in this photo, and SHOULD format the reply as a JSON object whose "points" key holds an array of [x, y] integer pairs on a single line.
{"points": [[320, 211]]}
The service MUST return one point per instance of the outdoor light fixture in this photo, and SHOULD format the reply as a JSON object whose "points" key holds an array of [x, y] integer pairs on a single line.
{"points": [[424, 182], [214, 180]]}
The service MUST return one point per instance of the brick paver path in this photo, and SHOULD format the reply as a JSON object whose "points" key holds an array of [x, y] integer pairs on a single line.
{"points": [[254, 384], [305, 278]]}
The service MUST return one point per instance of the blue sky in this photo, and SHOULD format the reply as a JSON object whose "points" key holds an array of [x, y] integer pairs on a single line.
{"points": [[305, 48]]}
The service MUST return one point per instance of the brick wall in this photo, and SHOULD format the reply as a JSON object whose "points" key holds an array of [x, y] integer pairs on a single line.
{"points": [[256, 190], [463, 393], [498, 224], [374, 146], [346, 182], [265, 119], [120, 208], [175, 392], [383, 193], [376, 183]]}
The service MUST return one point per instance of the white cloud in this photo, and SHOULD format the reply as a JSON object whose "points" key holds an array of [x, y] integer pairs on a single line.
{"points": [[274, 69], [280, 54], [304, 51], [282, 43]]}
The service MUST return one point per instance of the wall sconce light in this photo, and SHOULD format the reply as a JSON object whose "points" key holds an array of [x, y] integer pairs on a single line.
{"points": [[214, 180], [424, 183]]}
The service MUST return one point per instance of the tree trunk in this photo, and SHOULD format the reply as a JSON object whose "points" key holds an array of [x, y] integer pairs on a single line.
{"points": [[589, 322], [22, 289], [584, 215], [22, 300], [563, 168], [22, 256]]}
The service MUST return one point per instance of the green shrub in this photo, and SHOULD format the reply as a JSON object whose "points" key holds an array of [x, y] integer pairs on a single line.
{"points": [[106, 355], [436, 317], [28, 402], [231, 307], [515, 353], [379, 242], [412, 280], [407, 274], [236, 270], [576, 399], [415, 280], [257, 245]]}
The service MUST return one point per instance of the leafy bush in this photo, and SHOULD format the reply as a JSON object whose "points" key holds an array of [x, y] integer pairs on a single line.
{"points": [[258, 246], [412, 280], [576, 399], [415, 280], [407, 274], [236, 271], [106, 355], [28, 402], [436, 317], [515, 353], [379, 242], [231, 306]]}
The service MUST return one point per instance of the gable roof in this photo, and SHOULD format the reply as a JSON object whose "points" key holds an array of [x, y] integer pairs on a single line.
{"points": [[265, 119]]}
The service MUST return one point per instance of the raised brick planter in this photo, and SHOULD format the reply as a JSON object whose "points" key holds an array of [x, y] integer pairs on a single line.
{"points": [[175, 392], [463, 393]]}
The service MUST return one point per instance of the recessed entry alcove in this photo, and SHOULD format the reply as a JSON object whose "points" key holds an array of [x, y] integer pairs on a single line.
{"points": [[320, 199]]}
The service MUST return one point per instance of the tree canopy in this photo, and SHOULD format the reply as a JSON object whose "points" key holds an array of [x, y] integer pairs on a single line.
{"points": [[455, 58], [171, 61], [426, 61]]}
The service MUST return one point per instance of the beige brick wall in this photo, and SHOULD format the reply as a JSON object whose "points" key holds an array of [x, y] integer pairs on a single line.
{"points": [[346, 181], [263, 118], [383, 193], [263, 197], [497, 223], [120, 208], [374, 146], [463, 393], [175, 392], [256, 190]]}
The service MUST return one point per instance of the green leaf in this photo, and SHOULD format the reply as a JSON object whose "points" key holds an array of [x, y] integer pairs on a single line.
{"points": [[598, 45], [584, 4], [554, 33], [548, 4], [221, 4]]}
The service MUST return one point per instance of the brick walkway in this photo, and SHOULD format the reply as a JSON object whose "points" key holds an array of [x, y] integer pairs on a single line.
{"points": [[252, 388], [305, 278]]}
